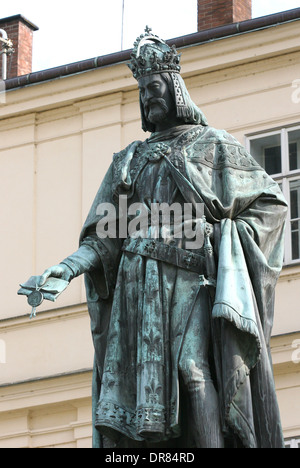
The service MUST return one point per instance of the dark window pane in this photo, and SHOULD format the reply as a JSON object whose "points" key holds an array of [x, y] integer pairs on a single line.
{"points": [[295, 244], [295, 218], [273, 160], [293, 156], [295, 199], [267, 152], [294, 204], [294, 150]]}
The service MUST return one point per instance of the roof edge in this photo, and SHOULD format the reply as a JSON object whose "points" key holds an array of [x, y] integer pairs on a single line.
{"points": [[250, 25], [199, 37]]}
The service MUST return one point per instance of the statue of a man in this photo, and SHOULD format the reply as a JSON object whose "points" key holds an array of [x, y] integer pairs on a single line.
{"points": [[181, 331]]}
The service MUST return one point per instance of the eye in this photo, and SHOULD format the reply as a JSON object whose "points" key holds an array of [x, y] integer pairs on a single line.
{"points": [[155, 86]]}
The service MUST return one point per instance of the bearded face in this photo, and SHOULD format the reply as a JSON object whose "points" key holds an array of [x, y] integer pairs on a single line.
{"points": [[158, 103], [156, 110]]}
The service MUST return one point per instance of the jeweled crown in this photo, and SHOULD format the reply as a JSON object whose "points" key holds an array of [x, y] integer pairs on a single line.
{"points": [[153, 55]]}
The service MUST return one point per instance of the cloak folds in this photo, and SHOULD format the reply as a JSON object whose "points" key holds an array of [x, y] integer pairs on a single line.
{"points": [[248, 212]]}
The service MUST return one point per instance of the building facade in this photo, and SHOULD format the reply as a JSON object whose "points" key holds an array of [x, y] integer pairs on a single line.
{"points": [[58, 131]]}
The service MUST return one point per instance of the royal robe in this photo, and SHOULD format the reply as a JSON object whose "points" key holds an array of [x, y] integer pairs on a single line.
{"points": [[247, 210]]}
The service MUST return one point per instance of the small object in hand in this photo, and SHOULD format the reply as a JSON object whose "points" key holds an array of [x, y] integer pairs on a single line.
{"points": [[34, 300], [50, 291]]}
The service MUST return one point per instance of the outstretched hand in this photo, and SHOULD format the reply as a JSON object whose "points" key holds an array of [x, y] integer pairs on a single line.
{"points": [[57, 271]]}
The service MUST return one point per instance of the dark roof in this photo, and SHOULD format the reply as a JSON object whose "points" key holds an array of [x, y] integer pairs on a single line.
{"points": [[189, 40], [10, 19]]}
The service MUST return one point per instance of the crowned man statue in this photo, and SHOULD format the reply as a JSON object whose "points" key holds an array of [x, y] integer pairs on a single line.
{"points": [[181, 331]]}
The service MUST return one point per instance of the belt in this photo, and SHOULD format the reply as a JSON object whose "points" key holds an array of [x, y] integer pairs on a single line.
{"points": [[166, 253]]}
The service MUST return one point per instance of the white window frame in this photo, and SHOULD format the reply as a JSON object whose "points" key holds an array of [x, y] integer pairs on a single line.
{"points": [[284, 178]]}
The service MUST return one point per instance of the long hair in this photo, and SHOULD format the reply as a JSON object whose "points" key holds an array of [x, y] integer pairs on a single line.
{"points": [[189, 113]]}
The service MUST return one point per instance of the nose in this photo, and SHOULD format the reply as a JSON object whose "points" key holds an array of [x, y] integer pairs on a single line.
{"points": [[147, 95]]}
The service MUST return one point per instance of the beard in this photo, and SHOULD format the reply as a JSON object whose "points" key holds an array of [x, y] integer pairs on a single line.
{"points": [[156, 110]]}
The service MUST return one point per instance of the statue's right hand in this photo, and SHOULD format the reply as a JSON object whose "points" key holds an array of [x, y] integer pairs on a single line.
{"points": [[57, 271]]}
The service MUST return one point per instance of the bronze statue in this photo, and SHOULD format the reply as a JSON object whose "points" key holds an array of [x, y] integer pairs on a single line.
{"points": [[181, 331]]}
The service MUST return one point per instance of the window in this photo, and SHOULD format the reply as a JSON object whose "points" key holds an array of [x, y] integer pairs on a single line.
{"points": [[278, 152]]}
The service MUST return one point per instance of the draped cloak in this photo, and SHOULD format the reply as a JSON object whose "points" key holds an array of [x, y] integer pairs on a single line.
{"points": [[247, 210]]}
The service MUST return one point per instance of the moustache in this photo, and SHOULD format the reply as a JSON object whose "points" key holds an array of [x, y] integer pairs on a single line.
{"points": [[155, 101]]}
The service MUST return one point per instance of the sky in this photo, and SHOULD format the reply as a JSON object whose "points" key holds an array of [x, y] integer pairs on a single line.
{"points": [[71, 31]]}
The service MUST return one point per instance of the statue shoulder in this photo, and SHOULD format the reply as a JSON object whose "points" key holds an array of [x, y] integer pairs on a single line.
{"points": [[214, 135], [123, 167], [218, 148], [121, 156]]}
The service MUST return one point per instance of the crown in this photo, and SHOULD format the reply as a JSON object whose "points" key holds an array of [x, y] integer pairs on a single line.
{"points": [[153, 55]]}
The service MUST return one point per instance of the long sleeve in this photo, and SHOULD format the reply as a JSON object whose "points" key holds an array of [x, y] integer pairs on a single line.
{"points": [[84, 260]]}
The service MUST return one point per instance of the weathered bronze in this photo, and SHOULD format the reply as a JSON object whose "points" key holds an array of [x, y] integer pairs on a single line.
{"points": [[181, 331]]}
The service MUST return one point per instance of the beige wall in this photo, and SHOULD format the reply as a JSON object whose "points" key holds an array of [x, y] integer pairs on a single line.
{"points": [[56, 142]]}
